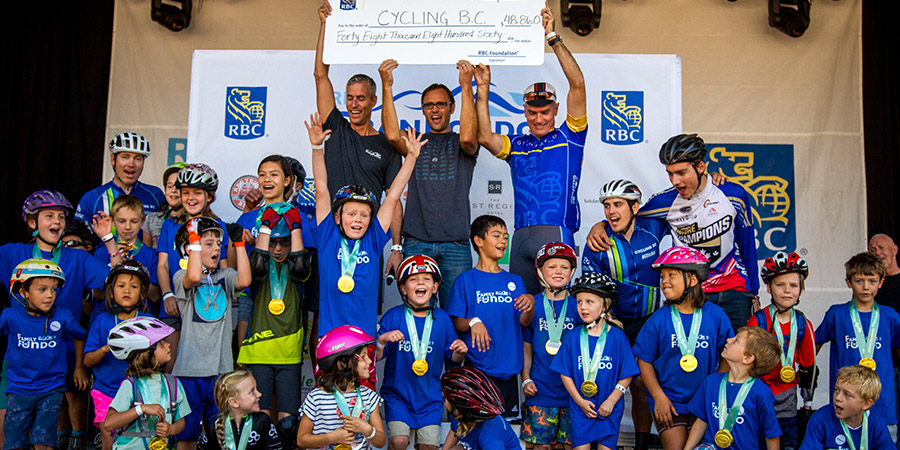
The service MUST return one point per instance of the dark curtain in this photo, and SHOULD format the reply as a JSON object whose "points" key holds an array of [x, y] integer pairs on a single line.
{"points": [[54, 63], [881, 115]]}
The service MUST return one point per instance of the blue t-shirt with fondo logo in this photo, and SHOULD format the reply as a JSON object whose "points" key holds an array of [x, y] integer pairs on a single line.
{"points": [[409, 398], [492, 434], [110, 371], [37, 358], [491, 297], [359, 306], [825, 431], [550, 390], [657, 344], [755, 422]]}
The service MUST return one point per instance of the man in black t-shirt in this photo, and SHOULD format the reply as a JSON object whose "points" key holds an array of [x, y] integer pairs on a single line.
{"points": [[889, 294], [437, 216]]}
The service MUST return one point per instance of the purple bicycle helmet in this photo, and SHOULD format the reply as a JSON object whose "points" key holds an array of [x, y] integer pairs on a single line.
{"points": [[343, 340], [45, 199], [139, 333]]}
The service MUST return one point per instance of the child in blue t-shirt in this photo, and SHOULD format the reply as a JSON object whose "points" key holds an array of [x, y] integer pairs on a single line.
{"points": [[880, 332], [596, 365], [680, 343], [546, 412], [350, 240], [846, 422], [36, 353], [475, 405], [736, 409], [489, 307], [415, 338], [126, 289]]}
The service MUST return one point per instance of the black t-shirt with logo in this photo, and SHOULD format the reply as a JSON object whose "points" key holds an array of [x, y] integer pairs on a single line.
{"points": [[370, 161], [263, 435]]}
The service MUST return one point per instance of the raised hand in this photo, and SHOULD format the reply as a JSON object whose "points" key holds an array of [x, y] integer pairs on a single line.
{"points": [[413, 141], [314, 128]]}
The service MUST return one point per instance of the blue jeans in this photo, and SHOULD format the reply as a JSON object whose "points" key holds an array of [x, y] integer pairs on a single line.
{"points": [[738, 306], [453, 257]]}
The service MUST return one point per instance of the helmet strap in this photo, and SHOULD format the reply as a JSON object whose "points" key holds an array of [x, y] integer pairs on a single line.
{"points": [[340, 219], [779, 310], [121, 309]]}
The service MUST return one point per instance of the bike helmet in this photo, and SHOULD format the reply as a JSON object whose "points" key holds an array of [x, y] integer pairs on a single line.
{"points": [[413, 265], [33, 268], [686, 259], [595, 283], [620, 189], [552, 250], [138, 333], [783, 263], [129, 141], [132, 267], [682, 148], [474, 397], [45, 199], [353, 193], [297, 168], [199, 176], [204, 224], [174, 168], [83, 231], [343, 340]]}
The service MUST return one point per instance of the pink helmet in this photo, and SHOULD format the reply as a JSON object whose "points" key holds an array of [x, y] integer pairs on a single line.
{"points": [[686, 259], [343, 340], [139, 333]]}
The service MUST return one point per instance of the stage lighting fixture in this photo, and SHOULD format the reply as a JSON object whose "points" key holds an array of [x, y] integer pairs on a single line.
{"points": [[582, 16], [791, 17], [175, 15]]}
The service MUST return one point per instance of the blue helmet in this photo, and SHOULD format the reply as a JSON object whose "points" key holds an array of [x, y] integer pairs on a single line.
{"points": [[353, 193]]}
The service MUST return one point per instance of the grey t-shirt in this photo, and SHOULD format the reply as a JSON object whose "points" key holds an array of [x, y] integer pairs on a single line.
{"points": [[353, 159], [205, 346], [437, 203]]}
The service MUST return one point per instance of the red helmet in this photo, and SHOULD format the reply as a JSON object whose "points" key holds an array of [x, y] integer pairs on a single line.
{"points": [[343, 340], [413, 265], [552, 250], [686, 259], [783, 263], [474, 396]]}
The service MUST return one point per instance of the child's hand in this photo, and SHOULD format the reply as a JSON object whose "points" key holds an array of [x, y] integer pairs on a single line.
{"points": [[525, 302], [663, 410], [248, 237], [154, 409], [193, 229], [480, 337], [390, 336], [530, 389], [102, 224], [80, 377], [314, 126], [357, 425], [269, 218], [458, 346], [171, 306], [413, 142], [292, 218], [587, 407], [162, 428], [607, 406], [341, 436]]}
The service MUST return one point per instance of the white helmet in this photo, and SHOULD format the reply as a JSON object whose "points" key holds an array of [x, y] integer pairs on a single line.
{"points": [[620, 189], [129, 141], [135, 334]]}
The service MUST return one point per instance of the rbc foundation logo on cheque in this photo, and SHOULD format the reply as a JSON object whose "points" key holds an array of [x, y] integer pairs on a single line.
{"points": [[245, 112], [767, 173], [348, 5], [623, 117]]}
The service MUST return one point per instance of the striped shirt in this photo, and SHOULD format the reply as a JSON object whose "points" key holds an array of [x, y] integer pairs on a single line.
{"points": [[321, 408]]}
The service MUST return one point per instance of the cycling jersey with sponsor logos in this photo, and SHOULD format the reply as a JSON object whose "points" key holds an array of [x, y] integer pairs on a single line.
{"points": [[102, 197], [545, 174], [717, 222]]}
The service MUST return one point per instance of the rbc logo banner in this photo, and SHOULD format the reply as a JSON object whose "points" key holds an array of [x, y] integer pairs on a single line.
{"points": [[767, 173], [623, 117], [245, 112], [348, 5]]}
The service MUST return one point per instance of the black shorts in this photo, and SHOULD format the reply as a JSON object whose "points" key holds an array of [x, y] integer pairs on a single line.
{"points": [[633, 327], [174, 322], [284, 380], [509, 390]]}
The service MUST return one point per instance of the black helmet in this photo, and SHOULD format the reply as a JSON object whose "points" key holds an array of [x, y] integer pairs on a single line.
{"points": [[84, 231], [682, 148], [204, 224], [596, 283], [297, 168]]}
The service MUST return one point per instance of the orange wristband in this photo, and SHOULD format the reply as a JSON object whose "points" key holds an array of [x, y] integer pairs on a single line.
{"points": [[238, 243]]}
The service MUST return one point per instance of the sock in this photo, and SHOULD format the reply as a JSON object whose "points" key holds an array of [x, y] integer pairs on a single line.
{"points": [[77, 433]]}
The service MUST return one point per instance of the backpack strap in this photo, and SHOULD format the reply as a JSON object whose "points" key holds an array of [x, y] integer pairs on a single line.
{"points": [[136, 399], [172, 388]]}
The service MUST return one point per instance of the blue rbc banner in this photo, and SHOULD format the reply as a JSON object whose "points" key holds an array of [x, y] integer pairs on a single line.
{"points": [[767, 173], [623, 117], [245, 112]]}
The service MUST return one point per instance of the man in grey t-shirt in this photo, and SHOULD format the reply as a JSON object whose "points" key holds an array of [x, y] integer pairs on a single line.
{"points": [[436, 220]]}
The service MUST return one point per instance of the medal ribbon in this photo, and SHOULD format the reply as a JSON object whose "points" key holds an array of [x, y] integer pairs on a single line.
{"points": [[348, 257], [787, 357], [419, 348], [687, 345], [726, 420], [863, 439], [342, 403], [54, 254], [277, 279], [246, 428], [865, 346], [145, 395], [590, 369], [555, 325]]}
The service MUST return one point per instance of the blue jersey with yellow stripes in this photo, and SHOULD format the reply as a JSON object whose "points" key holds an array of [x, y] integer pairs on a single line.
{"points": [[545, 175], [629, 263]]}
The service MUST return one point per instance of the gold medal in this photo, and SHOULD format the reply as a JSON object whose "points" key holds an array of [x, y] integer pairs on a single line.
{"points": [[723, 438], [420, 366], [183, 264], [346, 283], [276, 306], [589, 389], [157, 443], [342, 447], [787, 374], [688, 363], [867, 362], [552, 347]]}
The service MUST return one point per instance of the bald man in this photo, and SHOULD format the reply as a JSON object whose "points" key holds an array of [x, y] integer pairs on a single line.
{"points": [[886, 250]]}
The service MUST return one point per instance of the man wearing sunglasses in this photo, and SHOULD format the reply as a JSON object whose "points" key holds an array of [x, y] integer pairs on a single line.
{"points": [[546, 164], [436, 220]]}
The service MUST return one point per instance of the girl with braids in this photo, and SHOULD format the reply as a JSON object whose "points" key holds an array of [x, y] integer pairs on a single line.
{"points": [[340, 414], [240, 425], [475, 405], [149, 406]]}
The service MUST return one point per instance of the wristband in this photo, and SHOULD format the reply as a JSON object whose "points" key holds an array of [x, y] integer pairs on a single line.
{"points": [[552, 41], [265, 230], [319, 147], [396, 248], [526, 381], [238, 244], [379, 344], [137, 409], [550, 35], [621, 388], [107, 238], [374, 432], [194, 248], [114, 254], [168, 294], [474, 321]]}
